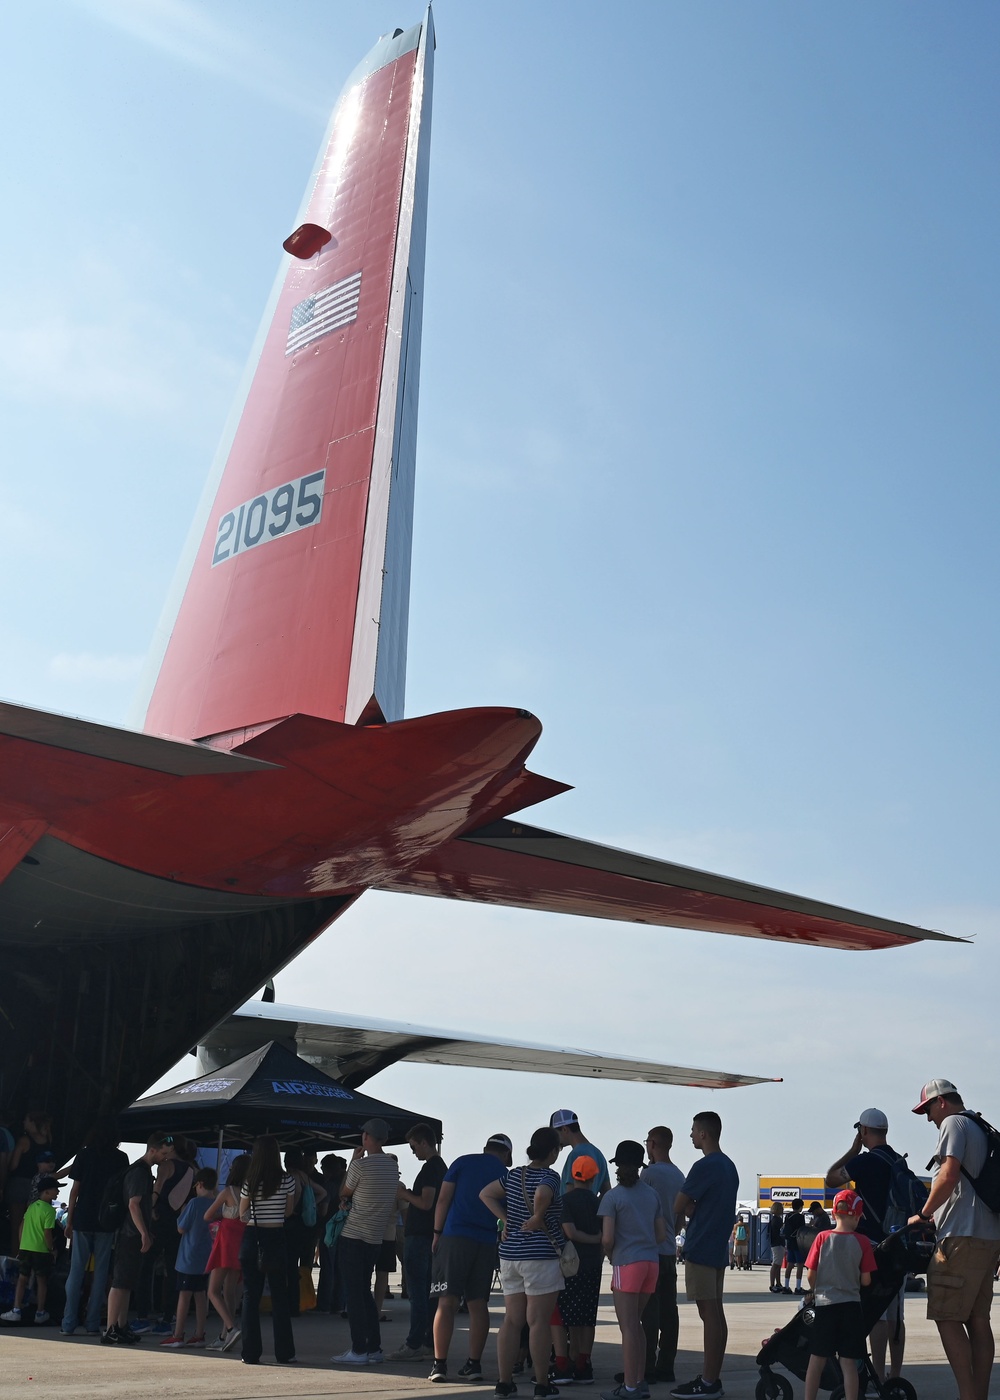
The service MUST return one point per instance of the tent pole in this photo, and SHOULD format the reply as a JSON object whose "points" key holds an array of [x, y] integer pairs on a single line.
{"points": [[218, 1157]]}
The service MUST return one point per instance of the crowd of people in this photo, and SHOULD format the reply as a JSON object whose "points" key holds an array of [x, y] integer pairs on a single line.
{"points": [[156, 1242]]}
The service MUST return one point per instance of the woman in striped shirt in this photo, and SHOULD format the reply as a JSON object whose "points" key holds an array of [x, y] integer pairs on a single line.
{"points": [[529, 1203], [267, 1198]]}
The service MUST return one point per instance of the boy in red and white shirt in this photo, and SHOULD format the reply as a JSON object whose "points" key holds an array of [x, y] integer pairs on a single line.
{"points": [[839, 1264]]}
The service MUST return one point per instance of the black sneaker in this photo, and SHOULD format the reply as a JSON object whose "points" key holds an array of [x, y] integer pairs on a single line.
{"points": [[698, 1387], [471, 1371], [545, 1389], [505, 1388], [439, 1371], [584, 1375], [129, 1337], [110, 1338]]}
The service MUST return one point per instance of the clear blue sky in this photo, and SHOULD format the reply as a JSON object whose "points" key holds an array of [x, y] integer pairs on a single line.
{"points": [[707, 480]]}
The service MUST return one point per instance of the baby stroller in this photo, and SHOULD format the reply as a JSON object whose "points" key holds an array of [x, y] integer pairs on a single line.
{"points": [[907, 1251]]}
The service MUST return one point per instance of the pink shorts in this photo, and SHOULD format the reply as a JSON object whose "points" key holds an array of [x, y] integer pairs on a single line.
{"points": [[636, 1278]]}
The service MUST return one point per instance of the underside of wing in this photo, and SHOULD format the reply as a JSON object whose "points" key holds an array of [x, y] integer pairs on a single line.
{"points": [[352, 1049], [510, 863]]}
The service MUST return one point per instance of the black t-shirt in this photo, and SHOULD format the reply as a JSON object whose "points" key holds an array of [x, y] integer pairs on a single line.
{"points": [[870, 1173], [579, 1209], [421, 1222], [138, 1182], [32, 1155], [793, 1223], [166, 1216], [93, 1169], [774, 1228]]}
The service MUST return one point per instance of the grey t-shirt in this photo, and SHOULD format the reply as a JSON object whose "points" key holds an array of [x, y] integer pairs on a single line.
{"points": [[840, 1258], [666, 1180], [635, 1211], [963, 1213]]}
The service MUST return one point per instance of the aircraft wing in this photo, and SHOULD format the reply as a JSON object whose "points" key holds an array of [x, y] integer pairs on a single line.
{"points": [[352, 1049], [508, 862]]}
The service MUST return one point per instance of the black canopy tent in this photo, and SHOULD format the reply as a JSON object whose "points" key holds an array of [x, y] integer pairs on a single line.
{"points": [[273, 1091]]}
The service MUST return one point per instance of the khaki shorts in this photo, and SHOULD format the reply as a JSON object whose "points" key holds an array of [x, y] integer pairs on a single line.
{"points": [[702, 1283], [960, 1278]]}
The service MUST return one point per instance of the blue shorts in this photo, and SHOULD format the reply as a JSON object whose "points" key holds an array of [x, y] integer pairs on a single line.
{"points": [[793, 1256]]}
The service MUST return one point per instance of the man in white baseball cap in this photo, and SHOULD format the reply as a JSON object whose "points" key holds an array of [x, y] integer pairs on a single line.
{"points": [[868, 1164], [960, 1274], [571, 1135]]}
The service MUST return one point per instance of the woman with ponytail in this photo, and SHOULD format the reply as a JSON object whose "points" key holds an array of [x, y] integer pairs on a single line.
{"points": [[632, 1226], [267, 1198]]}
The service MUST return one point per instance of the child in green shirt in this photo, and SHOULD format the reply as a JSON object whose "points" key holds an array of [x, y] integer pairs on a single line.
{"points": [[36, 1253]]}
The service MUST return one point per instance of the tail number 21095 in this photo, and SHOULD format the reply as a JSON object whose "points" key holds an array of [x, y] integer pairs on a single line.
{"points": [[280, 511]]}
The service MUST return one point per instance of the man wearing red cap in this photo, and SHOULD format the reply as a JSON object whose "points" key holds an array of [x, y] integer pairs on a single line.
{"points": [[961, 1271]]}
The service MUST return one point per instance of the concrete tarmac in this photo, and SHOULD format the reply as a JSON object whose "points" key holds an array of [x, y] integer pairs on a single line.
{"points": [[40, 1363]]}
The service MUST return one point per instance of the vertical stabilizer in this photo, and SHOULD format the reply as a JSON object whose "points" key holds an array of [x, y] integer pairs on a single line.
{"points": [[293, 593]]}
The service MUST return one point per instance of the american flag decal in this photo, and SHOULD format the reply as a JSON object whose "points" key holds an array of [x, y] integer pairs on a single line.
{"points": [[324, 312]]}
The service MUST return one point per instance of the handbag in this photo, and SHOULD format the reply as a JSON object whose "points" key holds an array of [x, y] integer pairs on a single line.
{"points": [[334, 1226], [569, 1259], [261, 1260], [307, 1290]]}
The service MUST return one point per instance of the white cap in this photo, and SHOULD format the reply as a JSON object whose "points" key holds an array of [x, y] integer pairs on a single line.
{"points": [[873, 1118]]}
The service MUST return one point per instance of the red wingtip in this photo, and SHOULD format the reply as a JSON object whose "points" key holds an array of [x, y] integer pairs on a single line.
{"points": [[307, 240]]}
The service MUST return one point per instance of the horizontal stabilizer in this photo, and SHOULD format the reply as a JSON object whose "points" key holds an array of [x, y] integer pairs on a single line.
{"points": [[352, 1049], [178, 757], [509, 863]]}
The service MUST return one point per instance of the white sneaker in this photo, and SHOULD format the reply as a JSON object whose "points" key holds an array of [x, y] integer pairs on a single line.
{"points": [[13, 1316], [41, 1316], [230, 1338], [375, 1358], [350, 1358], [218, 1344]]}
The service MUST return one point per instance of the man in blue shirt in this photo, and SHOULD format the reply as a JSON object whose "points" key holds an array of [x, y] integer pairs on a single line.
{"points": [[707, 1201], [567, 1125], [465, 1253]]}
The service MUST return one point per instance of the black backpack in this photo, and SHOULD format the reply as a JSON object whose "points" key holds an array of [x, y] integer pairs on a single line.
{"points": [[905, 1197], [112, 1211], [987, 1183]]}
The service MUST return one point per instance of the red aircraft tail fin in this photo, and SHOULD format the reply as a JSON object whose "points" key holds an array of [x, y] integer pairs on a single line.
{"points": [[294, 591]]}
